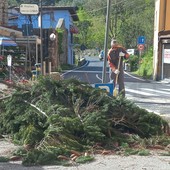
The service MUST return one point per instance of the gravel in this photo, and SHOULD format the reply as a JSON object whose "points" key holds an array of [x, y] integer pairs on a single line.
{"points": [[101, 162]]}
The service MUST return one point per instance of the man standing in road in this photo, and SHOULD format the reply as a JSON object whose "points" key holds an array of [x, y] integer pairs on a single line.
{"points": [[115, 58]]}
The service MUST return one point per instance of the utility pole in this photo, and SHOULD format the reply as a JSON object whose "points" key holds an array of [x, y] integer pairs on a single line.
{"points": [[106, 41], [41, 37], [115, 20]]}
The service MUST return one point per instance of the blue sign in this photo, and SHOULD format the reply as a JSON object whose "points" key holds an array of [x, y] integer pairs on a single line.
{"points": [[141, 40], [107, 86]]}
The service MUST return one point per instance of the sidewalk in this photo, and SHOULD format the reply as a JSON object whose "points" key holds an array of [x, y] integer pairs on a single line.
{"points": [[166, 81]]}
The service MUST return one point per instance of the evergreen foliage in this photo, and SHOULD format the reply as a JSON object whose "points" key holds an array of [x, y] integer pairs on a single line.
{"points": [[60, 116]]}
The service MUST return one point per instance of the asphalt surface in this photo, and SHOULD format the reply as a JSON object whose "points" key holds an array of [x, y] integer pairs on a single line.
{"points": [[148, 94]]}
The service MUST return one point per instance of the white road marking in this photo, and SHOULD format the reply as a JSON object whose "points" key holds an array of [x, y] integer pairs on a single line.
{"points": [[140, 92], [134, 76], [166, 89], [68, 71], [97, 76], [156, 91]]}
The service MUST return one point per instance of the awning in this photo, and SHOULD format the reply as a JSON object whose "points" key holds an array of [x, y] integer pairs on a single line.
{"points": [[26, 40], [8, 32], [5, 41], [74, 29]]}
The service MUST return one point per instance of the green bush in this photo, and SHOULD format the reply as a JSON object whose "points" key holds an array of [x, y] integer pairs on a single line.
{"points": [[133, 61], [146, 65]]}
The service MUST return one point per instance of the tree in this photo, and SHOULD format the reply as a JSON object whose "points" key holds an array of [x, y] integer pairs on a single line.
{"points": [[83, 24], [128, 20], [133, 18]]}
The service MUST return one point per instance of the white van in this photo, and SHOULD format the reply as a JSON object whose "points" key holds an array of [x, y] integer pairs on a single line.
{"points": [[131, 51]]}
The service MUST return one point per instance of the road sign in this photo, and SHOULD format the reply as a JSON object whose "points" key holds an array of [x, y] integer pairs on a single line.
{"points": [[141, 40], [140, 47], [28, 9], [105, 86], [9, 60], [9, 63], [27, 29]]}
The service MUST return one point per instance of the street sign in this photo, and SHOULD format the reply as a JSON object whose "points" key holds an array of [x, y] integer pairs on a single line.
{"points": [[29, 9], [27, 29], [140, 47], [9, 63], [141, 40], [9, 60], [105, 86]]}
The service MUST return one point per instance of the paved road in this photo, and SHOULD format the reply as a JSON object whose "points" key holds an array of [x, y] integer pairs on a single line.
{"points": [[152, 96], [148, 94]]}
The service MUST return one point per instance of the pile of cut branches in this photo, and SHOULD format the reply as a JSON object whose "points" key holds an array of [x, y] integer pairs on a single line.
{"points": [[54, 118]]}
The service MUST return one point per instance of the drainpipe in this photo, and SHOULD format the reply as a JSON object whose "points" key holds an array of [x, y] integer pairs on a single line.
{"points": [[165, 3], [164, 25]]}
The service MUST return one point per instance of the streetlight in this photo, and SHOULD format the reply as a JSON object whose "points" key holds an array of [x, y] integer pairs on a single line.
{"points": [[52, 36]]}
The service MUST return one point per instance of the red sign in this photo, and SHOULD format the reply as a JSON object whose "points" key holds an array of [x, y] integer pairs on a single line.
{"points": [[140, 47]]}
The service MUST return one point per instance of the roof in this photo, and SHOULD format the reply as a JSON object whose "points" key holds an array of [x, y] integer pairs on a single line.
{"points": [[72, 10], [164, 32]]}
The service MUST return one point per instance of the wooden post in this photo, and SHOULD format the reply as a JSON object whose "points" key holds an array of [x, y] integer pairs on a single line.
{"points": [[44, 68], [49, 67]]}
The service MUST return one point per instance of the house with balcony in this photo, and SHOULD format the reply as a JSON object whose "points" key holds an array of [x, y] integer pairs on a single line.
{"points": [[53, 19]]}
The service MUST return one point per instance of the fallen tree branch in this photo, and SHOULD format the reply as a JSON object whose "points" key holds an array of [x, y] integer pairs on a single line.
{"points": [[3, 98], [34, 106]]}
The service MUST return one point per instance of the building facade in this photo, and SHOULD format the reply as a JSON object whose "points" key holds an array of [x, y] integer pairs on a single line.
{"points": [[50, 18], [162, 40]]}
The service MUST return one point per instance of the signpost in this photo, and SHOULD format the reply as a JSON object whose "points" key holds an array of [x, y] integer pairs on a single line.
{"points": [[141, 46], [27, 29], [28, 9]]}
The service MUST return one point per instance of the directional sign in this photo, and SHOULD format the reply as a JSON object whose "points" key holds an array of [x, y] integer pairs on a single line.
{"points": [[141, 40], [105, 86], [29, 9]]}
